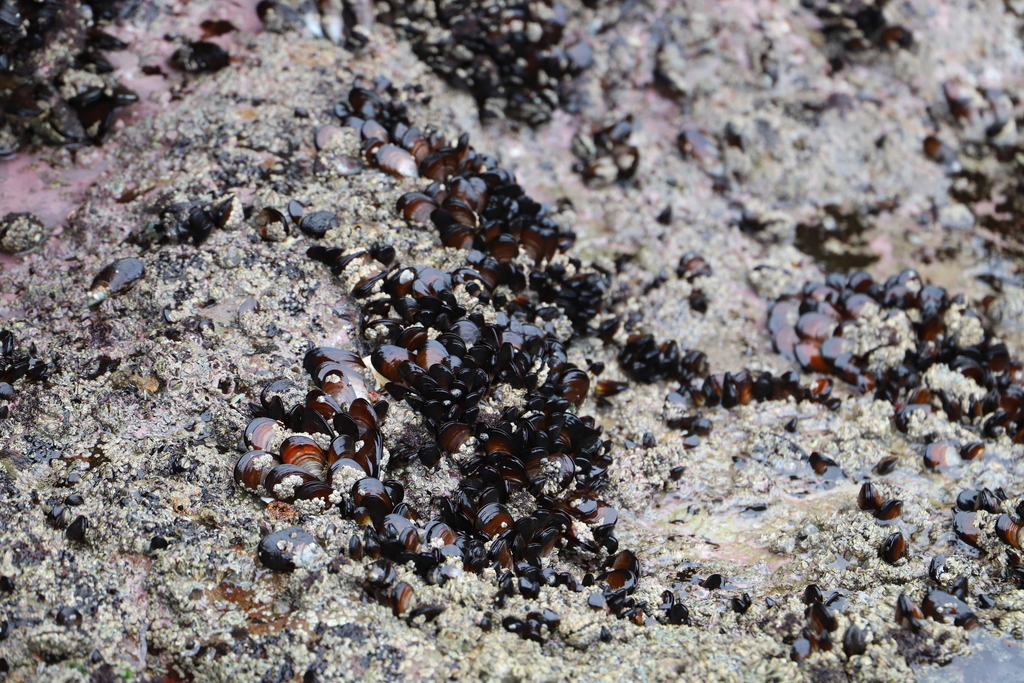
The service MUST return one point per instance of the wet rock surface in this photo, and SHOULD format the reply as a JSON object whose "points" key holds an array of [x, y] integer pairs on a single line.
{"points": [[771, 145]]}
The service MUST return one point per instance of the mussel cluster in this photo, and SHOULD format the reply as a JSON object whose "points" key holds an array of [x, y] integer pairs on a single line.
{"points": [[886, 512], [444, 342], [513, 57], [14, 365], [343, 23], [477, 206], [192, 221], [938, 605], [969, 503], [907, 342], [54, 78], [313, 452], [606, 155], [858, 25], [821, 623]]}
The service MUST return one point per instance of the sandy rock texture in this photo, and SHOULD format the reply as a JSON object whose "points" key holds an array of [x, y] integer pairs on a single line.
{"points": [[802, 155]]}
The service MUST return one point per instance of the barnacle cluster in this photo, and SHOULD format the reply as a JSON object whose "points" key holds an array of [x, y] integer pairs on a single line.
{"points": [[907, 342], [479, 353], [16, 364], [54, 78]]}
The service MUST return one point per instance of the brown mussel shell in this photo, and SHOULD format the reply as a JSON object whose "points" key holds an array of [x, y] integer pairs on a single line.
{"points": [[252, 468]]}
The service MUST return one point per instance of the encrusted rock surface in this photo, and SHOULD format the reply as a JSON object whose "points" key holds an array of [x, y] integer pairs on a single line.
{"points": [[819, 161]]}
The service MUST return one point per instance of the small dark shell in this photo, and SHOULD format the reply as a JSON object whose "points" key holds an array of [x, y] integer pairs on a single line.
{"points": [[340, 467], [439, 165], [945, 608], [783, 313], [854, 641], [370, 493], [703, 149], [117, 277], [200, 56], [869, 497], [317, 224], [966, 528], [416, 144], [271, 224], [886, 465], [78, 529], [784, 341], [801, 650], [821, 617], [808, 354], [387, 359], [453, 435], [396, 161], [303, 451], [972, 450], [941, 454], [607, 387], [316, 490], [402, 598], [1008, 531], [907, 612], [815, 326], [894, 547], [493, 519], [576, 384], [889, 511], [284, 550], [324, 136], [967, 500], [373, 130]]}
